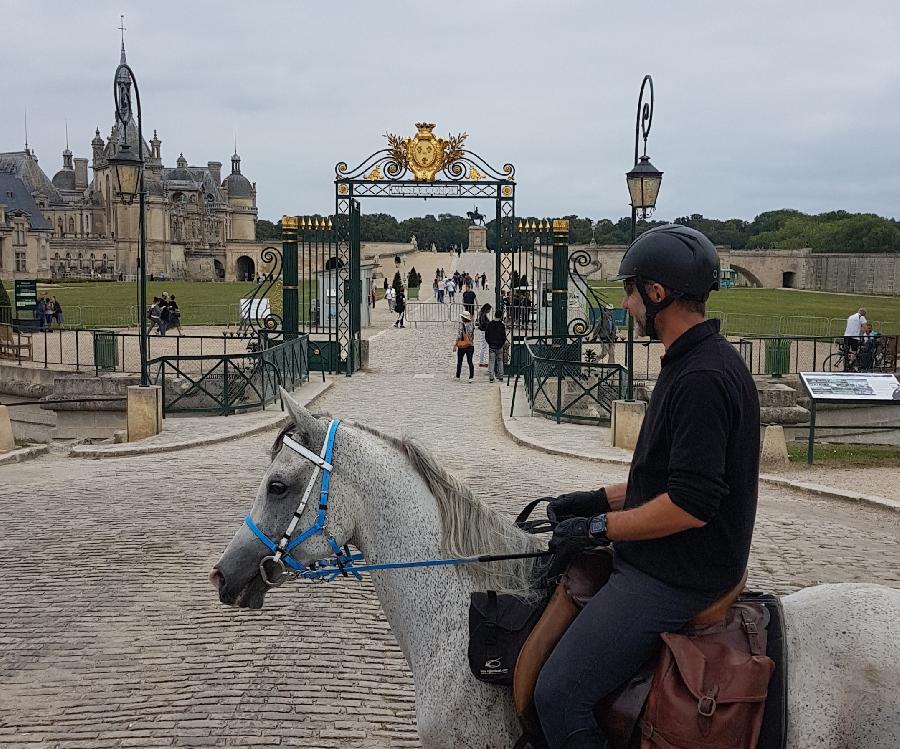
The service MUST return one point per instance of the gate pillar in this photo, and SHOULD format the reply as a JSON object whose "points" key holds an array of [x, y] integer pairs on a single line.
{"points": [[560, 279], [289, 304]]}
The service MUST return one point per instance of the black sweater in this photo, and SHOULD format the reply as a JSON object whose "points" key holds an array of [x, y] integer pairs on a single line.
{"points": [[700, 443]]}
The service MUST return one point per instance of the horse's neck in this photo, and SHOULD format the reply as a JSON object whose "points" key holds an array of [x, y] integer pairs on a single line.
{"points": [[403, 525], [400, 522]]}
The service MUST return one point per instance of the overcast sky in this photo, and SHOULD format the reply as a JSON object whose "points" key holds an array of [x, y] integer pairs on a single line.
{"points": [[761, 105]]}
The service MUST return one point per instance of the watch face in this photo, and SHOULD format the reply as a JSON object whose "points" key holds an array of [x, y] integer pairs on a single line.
{"points": [[598, 525]]}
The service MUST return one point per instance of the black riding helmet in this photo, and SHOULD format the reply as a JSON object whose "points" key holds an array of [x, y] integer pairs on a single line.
{"points": [[677, 257]]}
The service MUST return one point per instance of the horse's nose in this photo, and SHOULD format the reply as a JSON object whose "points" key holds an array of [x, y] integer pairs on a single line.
{"points": [[217, 579]]}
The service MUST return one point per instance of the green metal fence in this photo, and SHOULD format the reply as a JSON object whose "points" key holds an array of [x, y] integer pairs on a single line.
{"points": [[562, 382], [230, 383]]}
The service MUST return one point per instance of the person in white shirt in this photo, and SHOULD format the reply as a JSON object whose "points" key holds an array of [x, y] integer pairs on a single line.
{"points": [[854, 330], [390, 295], [451, 289]]}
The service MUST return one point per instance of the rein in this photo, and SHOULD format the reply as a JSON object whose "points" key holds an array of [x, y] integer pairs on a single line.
{"points": [[344, 562]]}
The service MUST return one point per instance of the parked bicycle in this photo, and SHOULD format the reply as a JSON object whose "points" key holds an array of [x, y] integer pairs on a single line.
{"points": [[871, 356]]}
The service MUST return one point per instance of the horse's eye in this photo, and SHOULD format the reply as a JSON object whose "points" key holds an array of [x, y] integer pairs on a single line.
{"points": [[277, 488]]}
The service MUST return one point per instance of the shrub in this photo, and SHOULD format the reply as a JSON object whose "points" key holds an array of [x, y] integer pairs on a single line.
{"points": [[4, 296], [414, 279], [397, 283]]}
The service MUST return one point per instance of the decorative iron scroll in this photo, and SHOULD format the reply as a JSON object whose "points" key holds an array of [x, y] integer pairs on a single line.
{"points": [[421, 158], [579, 326], [250, 326]]}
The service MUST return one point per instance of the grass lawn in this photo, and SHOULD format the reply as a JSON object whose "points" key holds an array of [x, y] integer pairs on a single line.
{"points": [[847, 456], [110, 303], [791, 302]]}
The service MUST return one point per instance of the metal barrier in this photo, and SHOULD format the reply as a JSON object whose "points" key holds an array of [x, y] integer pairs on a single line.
{"points": [[559, 383], [230, 383], [433, 312]]}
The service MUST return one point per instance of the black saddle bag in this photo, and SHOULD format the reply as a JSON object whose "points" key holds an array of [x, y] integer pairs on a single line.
{"points": [[498, 627]]}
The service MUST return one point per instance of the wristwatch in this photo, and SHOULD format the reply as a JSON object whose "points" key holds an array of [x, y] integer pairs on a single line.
{"points": [[597, 527]]}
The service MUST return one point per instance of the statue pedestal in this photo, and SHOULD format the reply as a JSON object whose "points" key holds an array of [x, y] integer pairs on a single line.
{"points": [[477, 238]]}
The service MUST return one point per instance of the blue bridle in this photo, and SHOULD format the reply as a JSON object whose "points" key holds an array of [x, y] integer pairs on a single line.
{"points": [[281, 552], [344, 561]]}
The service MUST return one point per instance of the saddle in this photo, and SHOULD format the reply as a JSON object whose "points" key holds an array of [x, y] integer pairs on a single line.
{"points": [[707, 688]]}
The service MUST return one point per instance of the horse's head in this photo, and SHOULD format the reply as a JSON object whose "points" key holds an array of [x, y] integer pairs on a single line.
{"points": [[236, 575]]}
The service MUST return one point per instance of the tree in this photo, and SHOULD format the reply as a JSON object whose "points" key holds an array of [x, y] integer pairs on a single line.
{"points": [[397, 283], [413, 279], [267, 230]]}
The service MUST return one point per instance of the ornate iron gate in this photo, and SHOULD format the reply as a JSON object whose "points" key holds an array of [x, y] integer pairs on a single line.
{"points": [[322, 288]]}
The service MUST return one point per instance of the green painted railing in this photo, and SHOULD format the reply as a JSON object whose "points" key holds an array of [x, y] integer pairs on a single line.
{"points": [[230, 383]]}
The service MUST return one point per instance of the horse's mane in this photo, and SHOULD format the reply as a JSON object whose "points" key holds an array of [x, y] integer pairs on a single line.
{"points": [[468, 527]]}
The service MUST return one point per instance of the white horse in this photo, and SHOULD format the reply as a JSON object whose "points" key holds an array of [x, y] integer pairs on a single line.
{"points": [[390, 499]]}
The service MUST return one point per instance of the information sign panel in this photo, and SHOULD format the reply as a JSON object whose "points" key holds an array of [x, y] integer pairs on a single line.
{"points": [[26, 297], [851, 386], [254, 309]]}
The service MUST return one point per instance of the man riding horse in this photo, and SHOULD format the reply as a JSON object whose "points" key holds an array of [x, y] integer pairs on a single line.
{"points": [[475, 216], [681, 526]]}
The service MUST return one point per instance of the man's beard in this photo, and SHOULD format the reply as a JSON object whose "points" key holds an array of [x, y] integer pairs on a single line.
{"points": [[640, 325]]}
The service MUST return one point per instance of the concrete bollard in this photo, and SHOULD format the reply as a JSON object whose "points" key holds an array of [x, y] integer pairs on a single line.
{"points": [[144, 412], [7, 441], [625, 426], [773, 453]]}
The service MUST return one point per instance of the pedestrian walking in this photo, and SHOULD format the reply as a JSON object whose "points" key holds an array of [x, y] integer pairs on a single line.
{"points": [[484, 317], [57, 311], [469, 300], [390, 295], [165, 316], [175, 315], [40, 310], [495, 337], [400, 309], [153, 315], [439, 290], [450, 286], [464, 344]]}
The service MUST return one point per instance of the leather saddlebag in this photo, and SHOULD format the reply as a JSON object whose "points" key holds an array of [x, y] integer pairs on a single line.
{"points": [[498, 627], [709, 688]]}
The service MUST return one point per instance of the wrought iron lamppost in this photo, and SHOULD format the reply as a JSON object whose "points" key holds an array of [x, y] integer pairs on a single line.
{"points": [[128, 168], [643, 185]]}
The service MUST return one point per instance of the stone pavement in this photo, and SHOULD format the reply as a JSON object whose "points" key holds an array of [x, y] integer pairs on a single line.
{"points": [[110, 635]]}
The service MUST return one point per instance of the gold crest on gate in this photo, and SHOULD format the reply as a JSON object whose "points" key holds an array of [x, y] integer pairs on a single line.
{"points": [[425, 154]]}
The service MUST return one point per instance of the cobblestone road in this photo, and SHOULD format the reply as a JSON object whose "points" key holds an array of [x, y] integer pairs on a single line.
{"points": [[110, 635]]}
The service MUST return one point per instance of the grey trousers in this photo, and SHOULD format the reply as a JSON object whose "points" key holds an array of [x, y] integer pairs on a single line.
{"points": [[607, 643], [495, 363]]}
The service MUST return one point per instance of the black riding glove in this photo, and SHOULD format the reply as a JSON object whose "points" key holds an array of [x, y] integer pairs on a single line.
{"points": [[577, 505], [573, 536]]}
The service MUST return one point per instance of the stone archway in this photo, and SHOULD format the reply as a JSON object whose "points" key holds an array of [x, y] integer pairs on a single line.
{"points": [[752, 279], [219, 268], [244, 269]]}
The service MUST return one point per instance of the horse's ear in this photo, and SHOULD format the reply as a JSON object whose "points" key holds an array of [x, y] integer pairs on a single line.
{"points": [[303, 420]]}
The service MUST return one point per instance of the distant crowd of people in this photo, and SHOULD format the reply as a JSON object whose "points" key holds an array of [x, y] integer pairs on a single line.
{"points": [[48, 311], [445, 287], [164, 315]]}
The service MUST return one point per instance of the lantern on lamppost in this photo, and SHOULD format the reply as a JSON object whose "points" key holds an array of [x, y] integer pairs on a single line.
{"points": [[127, 167], [643, 185], [643, 182]]}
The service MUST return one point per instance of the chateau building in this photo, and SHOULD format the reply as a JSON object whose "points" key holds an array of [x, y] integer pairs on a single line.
{"points": [[197, 225]]}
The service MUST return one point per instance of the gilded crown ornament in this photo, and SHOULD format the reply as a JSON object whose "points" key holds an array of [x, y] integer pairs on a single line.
{"points": [[425, 154]]}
